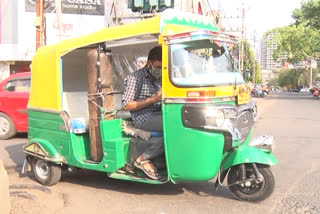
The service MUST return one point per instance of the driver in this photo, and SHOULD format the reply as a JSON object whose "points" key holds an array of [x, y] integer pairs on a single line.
{"points": [[142, 97]]}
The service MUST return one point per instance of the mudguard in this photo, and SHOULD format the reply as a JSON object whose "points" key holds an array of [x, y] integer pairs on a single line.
{"points": [[249, 154], [43, 149]]}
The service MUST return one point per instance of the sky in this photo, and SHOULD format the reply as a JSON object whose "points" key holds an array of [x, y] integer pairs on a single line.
{"points": [[260, 15]]}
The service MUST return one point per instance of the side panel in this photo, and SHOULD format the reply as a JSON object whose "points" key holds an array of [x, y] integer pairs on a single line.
{"points": [[192, 155], [249, 154], [115, 144], [75, 148], [48, 127]]}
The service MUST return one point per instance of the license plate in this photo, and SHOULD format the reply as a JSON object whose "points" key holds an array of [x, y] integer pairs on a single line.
{"points": [[243, 97]]}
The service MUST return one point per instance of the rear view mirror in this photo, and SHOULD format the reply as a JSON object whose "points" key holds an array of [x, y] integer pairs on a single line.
{"points": [[216, 52]]}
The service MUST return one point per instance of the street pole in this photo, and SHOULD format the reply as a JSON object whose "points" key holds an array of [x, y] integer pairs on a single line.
{"points": [[310, 75], [58, 12], [242, 42], [255, 65], [39, 24]]}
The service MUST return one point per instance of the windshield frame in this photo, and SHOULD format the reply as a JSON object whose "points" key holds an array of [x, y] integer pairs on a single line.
{"points": [[234, 72]]}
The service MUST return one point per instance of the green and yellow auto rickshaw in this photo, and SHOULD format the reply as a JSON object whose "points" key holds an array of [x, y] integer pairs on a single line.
{"points": [[76, 119]]}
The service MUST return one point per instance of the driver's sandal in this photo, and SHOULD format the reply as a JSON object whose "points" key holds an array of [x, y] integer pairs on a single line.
{"points": [[149, 172]]}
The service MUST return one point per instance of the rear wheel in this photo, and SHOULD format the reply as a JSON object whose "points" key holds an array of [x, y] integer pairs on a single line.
{"points": [[7, 128], [251, 190], [46, 173]]}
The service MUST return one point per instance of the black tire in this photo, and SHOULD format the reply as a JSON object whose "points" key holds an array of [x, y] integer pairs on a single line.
{"points": [[257, 192], [46, 173], [7, 128]]}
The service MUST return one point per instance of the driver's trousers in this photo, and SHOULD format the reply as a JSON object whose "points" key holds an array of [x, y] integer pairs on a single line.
{"points": [[153, 124]]}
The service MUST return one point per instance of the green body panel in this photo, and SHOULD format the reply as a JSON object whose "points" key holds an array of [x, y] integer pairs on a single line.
{"points": [[192, 155], [249, 154], [47, 146], [48, 129], [116, 145]]}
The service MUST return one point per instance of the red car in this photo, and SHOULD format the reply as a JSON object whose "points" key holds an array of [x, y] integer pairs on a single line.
{"points": [[14, 96]]}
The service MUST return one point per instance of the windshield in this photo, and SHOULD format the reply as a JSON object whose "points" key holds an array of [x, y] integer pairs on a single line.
{"points": [[202, 63]]}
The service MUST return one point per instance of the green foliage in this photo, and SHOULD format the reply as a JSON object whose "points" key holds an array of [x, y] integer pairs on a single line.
{"points": [[250, 64], [301, 40], [292, 77], [258, 78], [309, 13], [297, 43]]}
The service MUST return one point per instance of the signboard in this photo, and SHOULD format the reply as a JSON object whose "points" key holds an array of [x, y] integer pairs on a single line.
{"points": [[84, 7]]}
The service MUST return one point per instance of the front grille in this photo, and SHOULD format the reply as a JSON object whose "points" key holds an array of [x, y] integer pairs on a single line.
{"points": [[244, 124]]}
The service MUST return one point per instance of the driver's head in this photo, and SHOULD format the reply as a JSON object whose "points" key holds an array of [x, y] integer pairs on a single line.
{"points": [[154, 62]]}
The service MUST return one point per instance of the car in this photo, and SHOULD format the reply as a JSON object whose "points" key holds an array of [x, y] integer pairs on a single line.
{"points": [[14, 96], [304, 90]]}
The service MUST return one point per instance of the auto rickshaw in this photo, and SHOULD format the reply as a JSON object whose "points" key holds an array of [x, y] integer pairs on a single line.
{"points": [[76, 119]]}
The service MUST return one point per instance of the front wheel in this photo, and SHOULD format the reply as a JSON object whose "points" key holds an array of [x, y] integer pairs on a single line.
{"points": [[46, 173], [251, 189]]}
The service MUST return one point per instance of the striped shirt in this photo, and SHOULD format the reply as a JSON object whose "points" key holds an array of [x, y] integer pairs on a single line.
{"points": [[139, 86]]}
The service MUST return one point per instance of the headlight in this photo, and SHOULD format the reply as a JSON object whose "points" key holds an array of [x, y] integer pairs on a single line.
{"points": [[214, 117], [220, 118], [237, 120]]}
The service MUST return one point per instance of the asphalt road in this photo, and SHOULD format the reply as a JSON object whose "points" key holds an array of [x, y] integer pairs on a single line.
{"points": [[292, 118]]}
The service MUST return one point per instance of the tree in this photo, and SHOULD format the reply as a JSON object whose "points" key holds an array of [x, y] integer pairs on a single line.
{"points": [[250, 65], [258, 78], [301, 40], [309, 13], [297, 42], [291, 78]]}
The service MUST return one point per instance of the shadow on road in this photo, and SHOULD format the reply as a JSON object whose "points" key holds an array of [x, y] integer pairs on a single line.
{"points": [[99, 180], [16, 155]]}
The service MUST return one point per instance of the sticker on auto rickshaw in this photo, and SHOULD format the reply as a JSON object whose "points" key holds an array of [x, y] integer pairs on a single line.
{"points": [[243, 97]]}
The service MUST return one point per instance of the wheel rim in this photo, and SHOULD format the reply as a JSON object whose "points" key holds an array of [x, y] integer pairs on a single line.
{"points": [[4, 126], [42, 169], [254, 187]]}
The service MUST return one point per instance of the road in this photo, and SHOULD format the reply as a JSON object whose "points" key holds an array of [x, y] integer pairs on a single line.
{"points": [[292, 118]]}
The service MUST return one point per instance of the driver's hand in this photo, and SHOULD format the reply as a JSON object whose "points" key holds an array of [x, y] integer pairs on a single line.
{"points": [[158, 96]]}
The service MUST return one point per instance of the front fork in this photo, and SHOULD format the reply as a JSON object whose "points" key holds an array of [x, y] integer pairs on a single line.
{"points": [[243, 180]]}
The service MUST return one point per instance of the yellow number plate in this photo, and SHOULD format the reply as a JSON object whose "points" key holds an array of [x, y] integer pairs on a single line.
{"points": [[243, 97]]}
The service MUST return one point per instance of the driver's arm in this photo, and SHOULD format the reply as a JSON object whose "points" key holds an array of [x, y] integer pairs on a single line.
{"points": [[131, 89], [137, 105]]}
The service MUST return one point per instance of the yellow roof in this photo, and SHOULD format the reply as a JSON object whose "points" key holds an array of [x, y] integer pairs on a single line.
{"points": [[46, 86]]}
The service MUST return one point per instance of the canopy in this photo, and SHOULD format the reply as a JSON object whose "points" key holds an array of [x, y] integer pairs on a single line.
{"points": [[46, 85]]}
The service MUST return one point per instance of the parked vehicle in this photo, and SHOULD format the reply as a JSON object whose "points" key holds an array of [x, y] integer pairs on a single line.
{"points": [[316, 93], [14, 96], [294, 89], [260, 90], [207, 111], [312, 90]]}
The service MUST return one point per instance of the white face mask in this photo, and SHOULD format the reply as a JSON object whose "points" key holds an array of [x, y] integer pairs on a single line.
{"points": [[155, 72]]}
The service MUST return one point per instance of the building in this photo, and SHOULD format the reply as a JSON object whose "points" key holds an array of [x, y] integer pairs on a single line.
{"points": [[78, 17], [18, 32], [268, 46]]}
